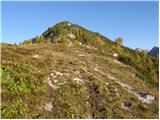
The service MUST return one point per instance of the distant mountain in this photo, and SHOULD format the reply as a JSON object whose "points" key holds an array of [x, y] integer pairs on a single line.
{"points": [[154, 51], [6, 43], [141, 50]]}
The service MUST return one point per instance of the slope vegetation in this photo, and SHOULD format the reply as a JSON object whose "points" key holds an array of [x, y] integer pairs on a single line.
{"points": [[74, 73], [53, 81]]}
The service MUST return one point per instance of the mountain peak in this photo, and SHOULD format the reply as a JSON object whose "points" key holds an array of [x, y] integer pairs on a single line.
{"points": [[154, 51], [67, 31], [63, 24]]}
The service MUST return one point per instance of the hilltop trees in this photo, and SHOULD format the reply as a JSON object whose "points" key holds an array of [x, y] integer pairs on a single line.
{"points": [[119, 41], [48, 41], [39, 39], [27, 42], [146, 66]]}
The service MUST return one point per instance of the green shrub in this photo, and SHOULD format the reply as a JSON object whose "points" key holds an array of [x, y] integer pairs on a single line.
{"points": [[19, 78], [119, 41], [39, 39], [144, 68], [27, 42]]}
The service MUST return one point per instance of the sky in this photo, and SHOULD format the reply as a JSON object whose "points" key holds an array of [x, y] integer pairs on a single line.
{"points": [[136, 22]]}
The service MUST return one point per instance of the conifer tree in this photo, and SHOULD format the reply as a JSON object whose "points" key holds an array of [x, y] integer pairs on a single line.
{"points": [[119, 41], [40, 39]]}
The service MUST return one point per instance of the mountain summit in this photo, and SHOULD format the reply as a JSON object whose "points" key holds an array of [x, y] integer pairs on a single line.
{"points": [[67, 31], [73, 34]]}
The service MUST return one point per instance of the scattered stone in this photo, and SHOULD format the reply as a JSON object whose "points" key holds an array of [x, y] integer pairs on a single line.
{"points": [[77, 72], [115, 55], [113, 90], [127, 105], [96, 69], [78, 80], [71, 35], [62, 83], [87, 102], [80, 43], [55, 81], [51, 74], [87, 47], [58, 73], [51, 84], [79, 76], [49, 106], [76, 51], [146, 98], [54, 77], [107, 84], [4, 62], [82, 55], [116, 90], [36, 56]]}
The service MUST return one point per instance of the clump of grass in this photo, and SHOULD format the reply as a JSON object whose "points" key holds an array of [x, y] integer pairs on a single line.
{"points": [[17, 80], [69, 100], [14, 109]]}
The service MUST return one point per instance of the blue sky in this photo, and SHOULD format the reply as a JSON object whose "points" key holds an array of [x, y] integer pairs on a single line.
{"points": [[135, 22]]}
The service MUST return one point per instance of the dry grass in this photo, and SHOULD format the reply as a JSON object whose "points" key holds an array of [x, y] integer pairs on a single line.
{"points": [[89, 99]]}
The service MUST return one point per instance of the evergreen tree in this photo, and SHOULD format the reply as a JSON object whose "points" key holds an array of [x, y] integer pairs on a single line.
{"points": [[119, 41], [40, 39], [27, 42]]}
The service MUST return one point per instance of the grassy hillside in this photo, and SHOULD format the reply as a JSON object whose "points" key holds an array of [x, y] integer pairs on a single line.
{"points": [[71, 72], [62, 81], [69, 33]]}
